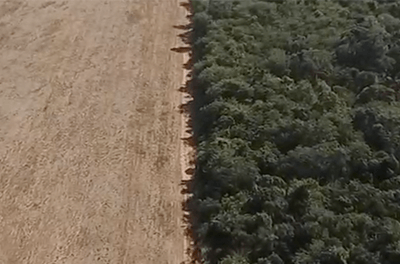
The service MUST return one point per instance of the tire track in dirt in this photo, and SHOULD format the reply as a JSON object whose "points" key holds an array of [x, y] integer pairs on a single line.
{"points": [[90, 137]]}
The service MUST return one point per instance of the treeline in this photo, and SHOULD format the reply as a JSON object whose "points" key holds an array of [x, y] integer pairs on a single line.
{"points": [[297, 126]]}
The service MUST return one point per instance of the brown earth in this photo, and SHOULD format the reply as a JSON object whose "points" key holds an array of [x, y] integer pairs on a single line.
{"points": [[90, 132]]}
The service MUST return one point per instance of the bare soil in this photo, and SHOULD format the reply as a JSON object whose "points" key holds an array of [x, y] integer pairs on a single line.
{"points": [[90, 132]]}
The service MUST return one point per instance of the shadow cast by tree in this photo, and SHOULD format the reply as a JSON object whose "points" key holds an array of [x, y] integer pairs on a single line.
{"points": [[187, 108]]}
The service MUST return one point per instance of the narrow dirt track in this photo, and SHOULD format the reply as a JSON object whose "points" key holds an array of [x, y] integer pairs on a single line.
{"points": [[90, 132]]}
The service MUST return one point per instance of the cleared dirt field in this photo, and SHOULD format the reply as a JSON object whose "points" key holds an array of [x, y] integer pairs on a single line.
{"points": [[90, 132]]}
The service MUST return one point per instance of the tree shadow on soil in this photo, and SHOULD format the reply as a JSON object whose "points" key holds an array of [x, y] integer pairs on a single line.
{"points": [[187, 108]]}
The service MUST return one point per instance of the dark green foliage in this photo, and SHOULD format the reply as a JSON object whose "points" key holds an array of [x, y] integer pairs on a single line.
{"points": [[297, 125]]}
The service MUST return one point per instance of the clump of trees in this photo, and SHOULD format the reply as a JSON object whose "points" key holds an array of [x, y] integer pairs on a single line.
{"points": [[297, 126]]}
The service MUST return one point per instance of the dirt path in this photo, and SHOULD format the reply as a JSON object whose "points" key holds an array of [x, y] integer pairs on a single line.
{"points": [[90, 132]]}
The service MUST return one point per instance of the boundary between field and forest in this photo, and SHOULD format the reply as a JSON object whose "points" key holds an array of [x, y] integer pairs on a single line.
{"points": [[188, 146]]}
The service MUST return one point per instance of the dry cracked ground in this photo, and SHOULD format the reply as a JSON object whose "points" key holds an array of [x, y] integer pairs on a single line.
{"points": [[90, 132]]}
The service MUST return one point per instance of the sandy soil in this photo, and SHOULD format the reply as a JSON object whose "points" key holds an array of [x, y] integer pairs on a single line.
{"points": [[90, 132]]}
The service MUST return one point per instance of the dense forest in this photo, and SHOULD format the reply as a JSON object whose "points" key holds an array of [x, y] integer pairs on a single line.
{"points": [[297, 127]]}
